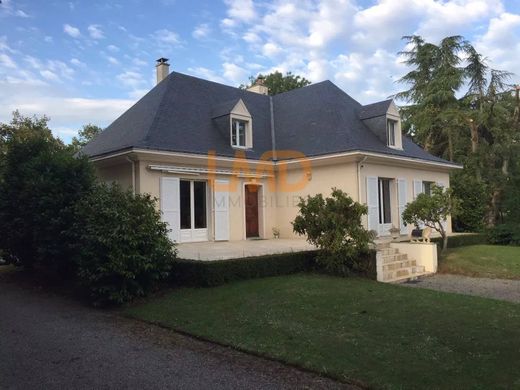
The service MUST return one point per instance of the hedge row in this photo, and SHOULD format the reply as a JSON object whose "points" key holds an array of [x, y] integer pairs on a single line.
{"points": [[199, 273], [462, 240], [217, 272]]}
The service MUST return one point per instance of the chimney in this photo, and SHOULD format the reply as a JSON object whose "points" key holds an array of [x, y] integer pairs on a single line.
{"points": [[259, 87], [163, 69]]}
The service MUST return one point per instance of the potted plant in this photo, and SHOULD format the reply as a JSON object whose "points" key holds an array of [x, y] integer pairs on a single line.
{"points": [[395, 232]]}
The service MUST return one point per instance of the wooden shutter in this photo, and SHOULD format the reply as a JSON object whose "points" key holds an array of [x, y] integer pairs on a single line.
{"points": [[170, 206], [373, 203], [402, 193], [221, 207]]}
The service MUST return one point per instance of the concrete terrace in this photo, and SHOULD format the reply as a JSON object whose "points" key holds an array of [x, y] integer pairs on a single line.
{"points": [[208, 251]]}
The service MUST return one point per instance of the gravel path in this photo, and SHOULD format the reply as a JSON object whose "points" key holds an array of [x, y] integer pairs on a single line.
{"points": [[502, 289], [48, 342]]}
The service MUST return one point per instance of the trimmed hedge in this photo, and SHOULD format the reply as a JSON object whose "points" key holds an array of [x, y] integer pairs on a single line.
{"points": [[213, 273], [198, 273], [461, 240]]}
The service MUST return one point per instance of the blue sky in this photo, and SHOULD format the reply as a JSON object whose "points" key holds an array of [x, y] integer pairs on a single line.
{"points": [[84, 62]]}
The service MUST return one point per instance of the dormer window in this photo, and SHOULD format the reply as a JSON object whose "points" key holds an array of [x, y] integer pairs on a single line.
{"points": [[390, 132], [238, 133]]}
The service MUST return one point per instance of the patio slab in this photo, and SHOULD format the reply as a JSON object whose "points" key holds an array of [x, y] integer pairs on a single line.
{"points": [[208, 251]]}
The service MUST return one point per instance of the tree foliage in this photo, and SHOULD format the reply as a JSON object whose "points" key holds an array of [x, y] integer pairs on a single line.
{"points": [[121, 246], [432, 210], [461, 109], [41, 182], [333, 224], [85, 135], [277, 82], [56, 220]]}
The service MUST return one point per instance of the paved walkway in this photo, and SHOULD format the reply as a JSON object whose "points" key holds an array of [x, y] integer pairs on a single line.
{"points": [[238, 249], [47, 342], [502, 289]]}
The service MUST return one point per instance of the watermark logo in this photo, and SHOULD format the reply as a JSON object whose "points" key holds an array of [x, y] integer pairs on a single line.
{"points": [[279, 177]]}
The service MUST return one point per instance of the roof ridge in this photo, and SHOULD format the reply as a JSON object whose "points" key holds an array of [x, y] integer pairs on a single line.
{"points": [[159, 106]]}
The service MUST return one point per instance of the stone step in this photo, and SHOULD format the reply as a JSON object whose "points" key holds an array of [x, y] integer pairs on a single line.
{"points": [[394, 257], [396, 265], [388, 251], [402, 273], [406, 279]]}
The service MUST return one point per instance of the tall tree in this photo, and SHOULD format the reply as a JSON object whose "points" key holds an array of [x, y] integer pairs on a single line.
{"points": [[85, 135], [277, 82]]}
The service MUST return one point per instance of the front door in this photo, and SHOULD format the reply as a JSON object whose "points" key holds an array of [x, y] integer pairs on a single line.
{"points": [[251, 205], [193, 215], [385, 208]]}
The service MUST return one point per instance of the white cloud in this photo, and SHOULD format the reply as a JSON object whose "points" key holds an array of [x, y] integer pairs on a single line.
{"points": [[49, 75], [48, 39], [234, 73], [113, 48], [21, 14], [95, 31], [71, 30], [240, 10], [131, 79], [112, 60], [167, 37], [6, 61], [207, 74], [78, 63], [201, 31]]}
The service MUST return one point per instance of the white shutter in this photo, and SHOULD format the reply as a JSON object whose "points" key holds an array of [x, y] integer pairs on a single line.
{"points": [[402, 189], [221, 207], [373, 204], [170, 206], [417, 188]]}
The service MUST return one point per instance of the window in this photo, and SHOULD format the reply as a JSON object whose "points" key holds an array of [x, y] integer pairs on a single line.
{"points": [[427, 187], [238, 133], [193, 204], [390, 132], [385, 214]]}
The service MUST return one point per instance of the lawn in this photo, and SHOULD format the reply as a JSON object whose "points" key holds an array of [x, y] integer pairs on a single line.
{"points": [[382, 335], [488, 261]]}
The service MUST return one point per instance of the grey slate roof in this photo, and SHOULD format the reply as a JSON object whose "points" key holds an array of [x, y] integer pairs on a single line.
{"points": [[177, 115], [374, 109]]}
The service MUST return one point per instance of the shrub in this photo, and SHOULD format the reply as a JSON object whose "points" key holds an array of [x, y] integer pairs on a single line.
{"points": [[505, 234], [432, 210], [214, 273], [121, 246], [41, 183], [334, 225]]}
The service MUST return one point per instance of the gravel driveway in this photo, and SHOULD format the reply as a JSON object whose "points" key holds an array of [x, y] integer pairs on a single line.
{"points": [[48, 342], [503, 289]]}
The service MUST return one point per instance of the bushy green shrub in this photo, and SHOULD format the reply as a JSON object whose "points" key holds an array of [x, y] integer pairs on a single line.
{"points": [[214, 273], [121, 246], [505, 234], [333, 224], [41, 183]]}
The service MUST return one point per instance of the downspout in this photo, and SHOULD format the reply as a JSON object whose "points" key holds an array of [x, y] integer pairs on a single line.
{"points": [[132, 162], [359, 176]]}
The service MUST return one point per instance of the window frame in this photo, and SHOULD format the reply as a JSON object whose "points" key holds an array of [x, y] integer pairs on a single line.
{"points": [[391, 140], [235, 132], [191, 203]]}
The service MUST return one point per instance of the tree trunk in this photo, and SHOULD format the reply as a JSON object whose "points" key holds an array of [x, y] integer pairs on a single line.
{"points": [[450, 146], [474, 136], [492, 212], [444, 242]]}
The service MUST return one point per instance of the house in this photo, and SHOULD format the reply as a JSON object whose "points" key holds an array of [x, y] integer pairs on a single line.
{"points": [[231, 164]]}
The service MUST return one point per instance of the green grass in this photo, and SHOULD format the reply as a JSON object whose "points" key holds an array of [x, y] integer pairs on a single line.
{"points": [[488, 261], [383, 335]]}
